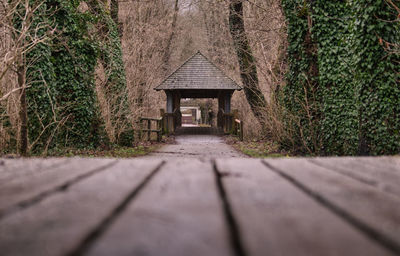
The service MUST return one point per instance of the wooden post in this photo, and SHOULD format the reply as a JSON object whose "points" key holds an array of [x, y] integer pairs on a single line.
{"points": [[226, 128], [241, 131], [148, 129], [162, 123], [159, 128], [221, 106], [169, 117], [177, 109], [170, 102], [235, 115], [227, 103], [228, 116], [140, 129]]}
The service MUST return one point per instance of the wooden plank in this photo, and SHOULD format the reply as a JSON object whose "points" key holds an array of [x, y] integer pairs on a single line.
{"points": [[275, 218], [28, 189], [58, 224], [12, 169], [374, 173], [388, 163], [177, 213], [10, 165], [373, 212]]}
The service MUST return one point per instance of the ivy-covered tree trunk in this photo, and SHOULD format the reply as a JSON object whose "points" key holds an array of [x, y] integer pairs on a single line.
{"points": [[33, 72], [343, 79], [61, 98], [110, 56], [301, 95], [377, 71], [247, 63], [339, 121]]}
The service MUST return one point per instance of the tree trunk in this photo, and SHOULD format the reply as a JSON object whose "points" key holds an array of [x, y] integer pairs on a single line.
{"points": [[167, 52], [23, 114], [247, 64]]}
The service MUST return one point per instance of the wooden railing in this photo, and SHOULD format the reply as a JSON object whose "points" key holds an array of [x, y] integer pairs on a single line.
{"points": [[167, 123], [170, 121], [148, 127], [227, 122]]}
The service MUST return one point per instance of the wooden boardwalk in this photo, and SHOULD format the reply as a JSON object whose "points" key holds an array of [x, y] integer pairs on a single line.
{"points": [[174, 207]]}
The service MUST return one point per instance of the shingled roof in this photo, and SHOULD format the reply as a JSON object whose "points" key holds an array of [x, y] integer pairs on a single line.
{"points": [[198, 73]]}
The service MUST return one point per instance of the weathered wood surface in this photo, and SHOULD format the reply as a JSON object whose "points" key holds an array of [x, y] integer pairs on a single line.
{"points": [[25, 168], [28, 189], [366, 208], [277, 218], [178, 213], [58, 224], [380, 173], [233, 206]]}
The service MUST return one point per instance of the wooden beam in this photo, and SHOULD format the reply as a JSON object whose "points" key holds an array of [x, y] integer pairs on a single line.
{"points": [[170, 102]]}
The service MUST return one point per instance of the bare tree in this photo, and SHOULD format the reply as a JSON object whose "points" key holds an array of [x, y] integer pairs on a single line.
{"points": [[147, 30], [247, 63], [201, 25], [167, 51], [21, 37]]}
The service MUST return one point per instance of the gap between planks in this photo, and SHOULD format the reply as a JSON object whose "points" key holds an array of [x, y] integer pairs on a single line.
{"points": [[97, 232], [61, 222], [276, 218], [179, 212], [234, 230], [233, 225]]}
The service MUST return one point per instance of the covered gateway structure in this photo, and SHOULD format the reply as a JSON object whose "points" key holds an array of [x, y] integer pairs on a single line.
{"points": [[197, 77]]}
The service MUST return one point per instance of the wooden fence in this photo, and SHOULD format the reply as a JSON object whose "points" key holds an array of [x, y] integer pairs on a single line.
{"points": [[168, 122], [148, 127]]}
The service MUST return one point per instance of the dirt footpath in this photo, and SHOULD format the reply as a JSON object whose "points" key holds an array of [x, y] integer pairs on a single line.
{"points": [[198, 146]]}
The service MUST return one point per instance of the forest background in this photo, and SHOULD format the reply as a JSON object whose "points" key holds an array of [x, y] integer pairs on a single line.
{"points": [[319, 77]]}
